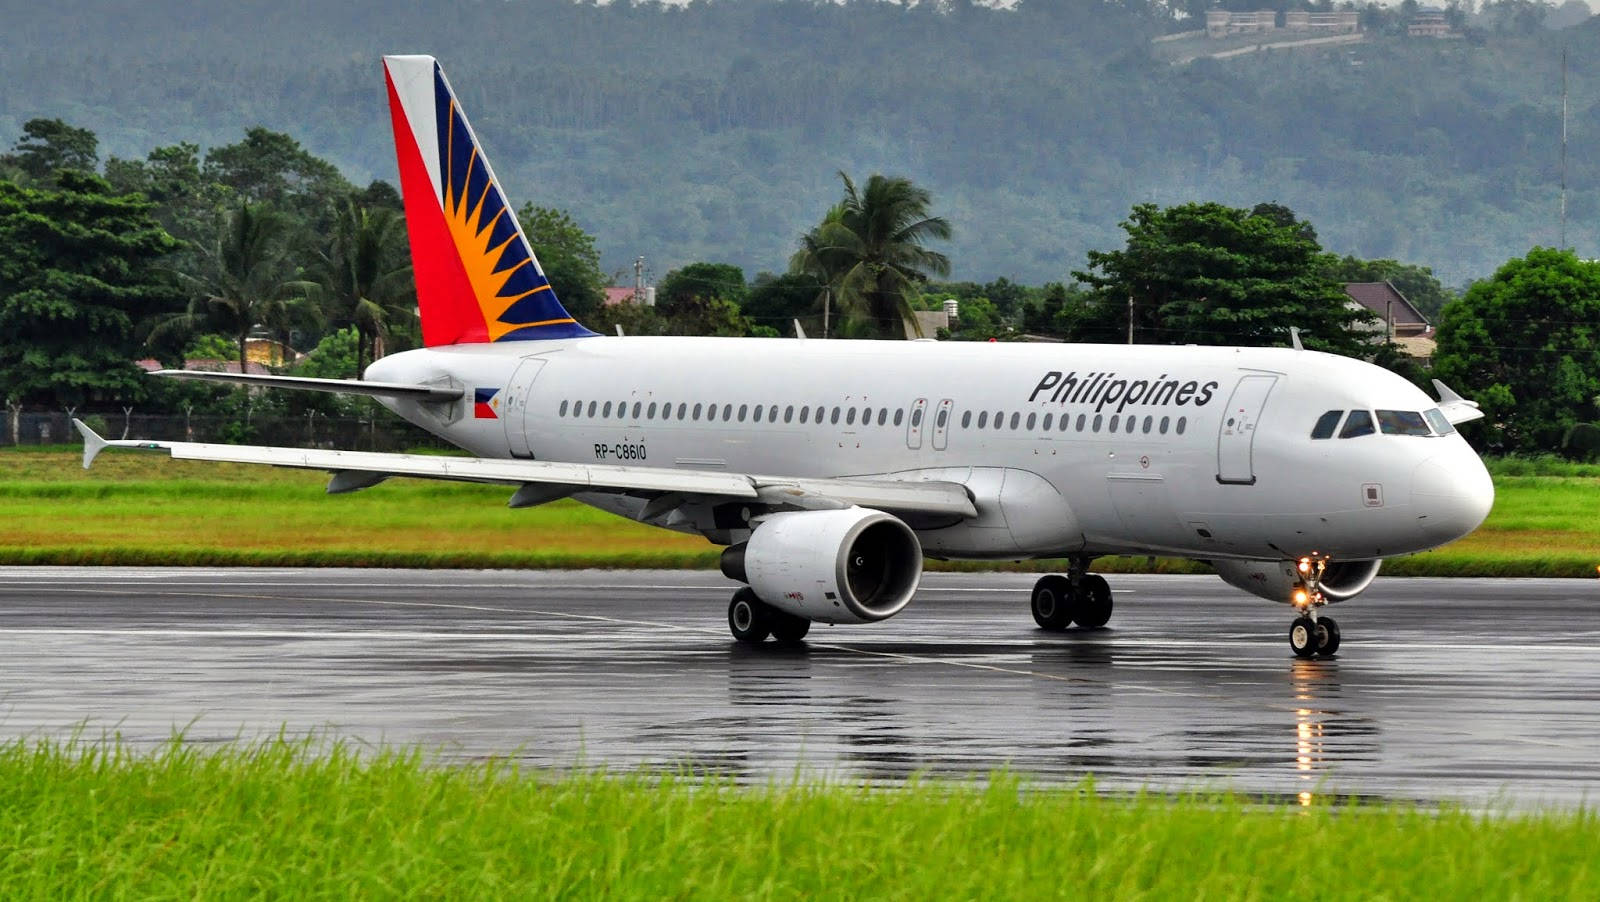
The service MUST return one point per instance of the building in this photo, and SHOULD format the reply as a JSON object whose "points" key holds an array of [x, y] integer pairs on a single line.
{"points": [[1346, 22], [1430, 22], [1221, 23], [1398, 318]]}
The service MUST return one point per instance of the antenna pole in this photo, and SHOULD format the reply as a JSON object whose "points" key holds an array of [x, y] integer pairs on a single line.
{"points": [[1563, 244]]}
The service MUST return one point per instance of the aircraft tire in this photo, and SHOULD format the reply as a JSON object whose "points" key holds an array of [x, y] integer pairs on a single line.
{"points": [[1053, 602], [1303, 637], [789, 629], [1094, 602], [1327, 636], [748, 617]]}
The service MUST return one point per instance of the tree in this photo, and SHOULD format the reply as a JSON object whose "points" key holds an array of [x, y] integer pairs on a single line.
{"points": [[362, 277], [186, 202], [569, 258], [269, 167], [777, 301], [1204, 273], [869, 251], [244, 278], [1525, 344], [78, 271], [50, 145], [698, 282]]}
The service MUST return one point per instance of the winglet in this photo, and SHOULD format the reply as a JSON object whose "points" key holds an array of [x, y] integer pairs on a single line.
{"points": [[1455, 408], [92, 443], [1294, 338]]}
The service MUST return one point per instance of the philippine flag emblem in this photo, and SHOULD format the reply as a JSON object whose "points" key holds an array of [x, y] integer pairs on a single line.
{"points": [[486, 404]]}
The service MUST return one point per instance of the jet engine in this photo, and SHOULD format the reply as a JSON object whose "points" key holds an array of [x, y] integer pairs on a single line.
{"points": [[1275, 580], [835, 566]]}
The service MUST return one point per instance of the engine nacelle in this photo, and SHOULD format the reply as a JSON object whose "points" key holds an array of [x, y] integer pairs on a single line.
{"points": [[1275, 580], [836, 566]]}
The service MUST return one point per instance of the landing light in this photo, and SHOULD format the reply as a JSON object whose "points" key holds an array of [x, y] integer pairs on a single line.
{"points": [[1305, 565], [1300, 598]]}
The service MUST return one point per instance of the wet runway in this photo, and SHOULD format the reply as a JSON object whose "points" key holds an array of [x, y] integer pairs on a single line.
{"points": [[1469, 690]]}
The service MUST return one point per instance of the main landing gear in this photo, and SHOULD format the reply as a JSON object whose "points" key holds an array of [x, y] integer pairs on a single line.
{"points": [[752, 620], [1077, 597], [1310, 634]]}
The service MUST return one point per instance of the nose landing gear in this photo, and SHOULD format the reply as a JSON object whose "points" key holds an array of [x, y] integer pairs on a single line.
{"points": [[1311, 634]]}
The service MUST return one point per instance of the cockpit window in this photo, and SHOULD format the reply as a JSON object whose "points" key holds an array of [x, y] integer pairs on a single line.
{"points": [[1402, 422], [1326, 424], [1359, 424], [1439, 422]]}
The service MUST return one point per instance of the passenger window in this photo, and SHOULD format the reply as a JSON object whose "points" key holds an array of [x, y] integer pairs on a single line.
{"points": [[696, 413], [1359, 424], [727, 412], [1096, 424], [899, 415], [805, 414], [1081, 419], [606, 410], [650, 414], [983, 418], [850, 417], [1148, 422], [966, 419], [1049, 419], [563, 411], [1182, 422], [916, 418], [1033, 420], [743, 409], [999, 419], [883, 415], [636, 406], [788, 414], [1015, 419], [1116, 422], [834, 419], [1439, 422], [1132, 422], [1402, 422], [591, 408], [758, 413], [1326, 424], [866, 416], [682, 407], [944, 417], [1165, 421], [772, 414]]}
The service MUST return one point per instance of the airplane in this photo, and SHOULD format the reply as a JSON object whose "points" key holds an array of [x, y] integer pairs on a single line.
{"points": [[830, 469]]}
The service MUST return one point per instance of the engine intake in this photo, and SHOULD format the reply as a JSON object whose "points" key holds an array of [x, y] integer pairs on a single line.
{"points": [[1275, 580], [840, 566]]}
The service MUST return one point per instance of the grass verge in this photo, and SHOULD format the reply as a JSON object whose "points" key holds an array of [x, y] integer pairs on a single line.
{"points": [[289, 820], [135, 509]]}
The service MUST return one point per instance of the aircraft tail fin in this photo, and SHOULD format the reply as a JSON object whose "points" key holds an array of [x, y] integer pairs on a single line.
{"points": [[477, 277]]}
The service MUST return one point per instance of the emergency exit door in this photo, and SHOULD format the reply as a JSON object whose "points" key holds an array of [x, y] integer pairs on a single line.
{"points": [[1237, 434]]}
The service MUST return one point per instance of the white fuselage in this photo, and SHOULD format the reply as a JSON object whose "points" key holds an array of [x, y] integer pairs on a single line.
{"points": [[1067, 449]]}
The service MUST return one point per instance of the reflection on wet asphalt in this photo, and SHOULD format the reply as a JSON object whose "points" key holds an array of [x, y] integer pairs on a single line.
{"points": [[1471, 690]]}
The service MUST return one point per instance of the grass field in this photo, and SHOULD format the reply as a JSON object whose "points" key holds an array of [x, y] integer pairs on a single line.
{"points": [[287, 820], [148, 509]]}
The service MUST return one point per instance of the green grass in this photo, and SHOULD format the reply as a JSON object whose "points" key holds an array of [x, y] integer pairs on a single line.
{"points": [[148, 509], [293, 820]]}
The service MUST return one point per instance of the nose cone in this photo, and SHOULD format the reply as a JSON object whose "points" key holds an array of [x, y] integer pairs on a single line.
{"points": [[1452, 494]]}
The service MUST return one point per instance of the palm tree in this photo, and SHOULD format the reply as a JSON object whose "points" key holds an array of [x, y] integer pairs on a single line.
{"points": [[241, 278], [362, 278], [869, 252]]}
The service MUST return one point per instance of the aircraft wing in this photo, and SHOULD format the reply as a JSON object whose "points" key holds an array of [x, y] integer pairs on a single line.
{"points": [[551, 479], [431, 393], [1455, 408]]}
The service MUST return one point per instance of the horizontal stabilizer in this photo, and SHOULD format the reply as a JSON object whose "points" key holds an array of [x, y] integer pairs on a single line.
{"points": [[428, 393]]}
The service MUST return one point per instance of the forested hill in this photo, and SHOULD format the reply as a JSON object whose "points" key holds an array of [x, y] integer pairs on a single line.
{"points": [[714, 131]]}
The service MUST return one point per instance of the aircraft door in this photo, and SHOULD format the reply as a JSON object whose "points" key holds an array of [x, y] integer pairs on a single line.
{"points": [[1236, 436], [941, 424], [919, 409], [516, 408]]}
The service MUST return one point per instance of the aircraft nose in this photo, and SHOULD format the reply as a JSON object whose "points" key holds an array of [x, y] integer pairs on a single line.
{"points": [[1452, 494]]}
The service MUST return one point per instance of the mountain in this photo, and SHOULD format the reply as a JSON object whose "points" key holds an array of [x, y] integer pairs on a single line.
{"points": [[714, 130]]}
